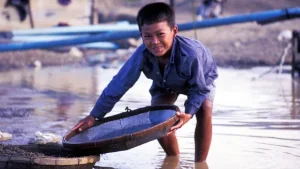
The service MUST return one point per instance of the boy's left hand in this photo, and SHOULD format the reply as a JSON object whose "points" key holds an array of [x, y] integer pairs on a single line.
{"points": [[183, 118]]}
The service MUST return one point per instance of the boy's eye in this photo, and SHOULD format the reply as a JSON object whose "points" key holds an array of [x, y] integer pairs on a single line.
{"points": [[160, 34], [147, 36]]}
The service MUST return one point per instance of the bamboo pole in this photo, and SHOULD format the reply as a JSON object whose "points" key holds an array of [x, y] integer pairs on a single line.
{"points": [[30, 14], [92, 17]]}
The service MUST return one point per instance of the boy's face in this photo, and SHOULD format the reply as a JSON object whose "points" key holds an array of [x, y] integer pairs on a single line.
{"points": [[158, 37]]}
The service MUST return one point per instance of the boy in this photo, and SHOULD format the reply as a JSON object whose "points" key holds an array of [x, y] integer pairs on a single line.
{"points": [[210, 9], [177, 65]]}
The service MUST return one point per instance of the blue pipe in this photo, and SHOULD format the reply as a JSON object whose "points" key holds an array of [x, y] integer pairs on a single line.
{"points": [[44, 38], [67, 42], [68, 31], [75, 30], [260, 17], [47, 38], [100, 45]]}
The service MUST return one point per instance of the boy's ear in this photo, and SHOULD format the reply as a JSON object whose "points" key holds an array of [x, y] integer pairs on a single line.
{"points": [[175, 29]]}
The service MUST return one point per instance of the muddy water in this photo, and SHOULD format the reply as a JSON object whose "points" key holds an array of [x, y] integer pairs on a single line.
{"points": [[256, 120]]}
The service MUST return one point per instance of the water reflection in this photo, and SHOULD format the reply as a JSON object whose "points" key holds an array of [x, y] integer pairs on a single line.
{"points": [[202, 165], [64, 103], [15, 112], [170, 162], [255, 122], [173, 162], [47, 100], [295, 112]]}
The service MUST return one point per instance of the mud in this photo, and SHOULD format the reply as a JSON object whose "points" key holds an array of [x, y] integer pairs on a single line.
{"points": [[14, 150]]}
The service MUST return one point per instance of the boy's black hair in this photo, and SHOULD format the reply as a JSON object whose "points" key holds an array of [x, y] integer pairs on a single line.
{"points": [[156, 12]]}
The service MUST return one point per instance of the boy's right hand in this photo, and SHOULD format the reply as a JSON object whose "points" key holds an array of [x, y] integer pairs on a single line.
{"points": [[183, 118], [84, 124]]}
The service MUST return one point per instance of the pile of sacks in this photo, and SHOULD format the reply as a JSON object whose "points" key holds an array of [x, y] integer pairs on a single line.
{"points": [[44, 138], [5, 136]]}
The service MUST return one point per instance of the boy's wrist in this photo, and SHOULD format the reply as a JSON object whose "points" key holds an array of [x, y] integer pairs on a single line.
{"points": [[190, 109], [93, 116]]}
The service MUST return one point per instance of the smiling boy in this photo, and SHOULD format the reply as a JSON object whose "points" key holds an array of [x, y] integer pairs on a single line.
{"points": [[177, 65]]}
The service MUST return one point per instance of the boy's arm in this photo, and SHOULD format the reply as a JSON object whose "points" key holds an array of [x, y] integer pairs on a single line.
{"points": [[198, 82], [120, 84]]}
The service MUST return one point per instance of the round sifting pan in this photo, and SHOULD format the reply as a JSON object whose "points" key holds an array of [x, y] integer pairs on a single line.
{"points": [[123, 131], [47, 156]]}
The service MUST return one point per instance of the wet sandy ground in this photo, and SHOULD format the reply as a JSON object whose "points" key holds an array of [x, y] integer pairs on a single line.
{"points": [[256, 119]]}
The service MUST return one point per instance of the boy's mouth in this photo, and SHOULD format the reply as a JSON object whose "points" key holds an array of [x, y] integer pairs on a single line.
{"points": [[157, 49]]}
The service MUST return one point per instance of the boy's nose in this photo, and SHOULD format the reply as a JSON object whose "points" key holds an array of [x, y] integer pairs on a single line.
{"points": [[155, 40]]}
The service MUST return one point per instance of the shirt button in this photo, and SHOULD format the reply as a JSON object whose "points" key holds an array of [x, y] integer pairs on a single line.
{"points": [[164, 81], [158, 73]]}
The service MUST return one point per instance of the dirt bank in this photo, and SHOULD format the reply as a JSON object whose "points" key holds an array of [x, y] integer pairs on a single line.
{"points": [[238, 45]]}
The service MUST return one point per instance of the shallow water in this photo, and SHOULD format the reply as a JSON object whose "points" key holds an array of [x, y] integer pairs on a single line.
{"points": [[256, 120]]}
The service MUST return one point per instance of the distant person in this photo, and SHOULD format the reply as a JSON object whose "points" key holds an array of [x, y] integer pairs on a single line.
{"points": [[210, 9], [176, 65], [20, 6]]}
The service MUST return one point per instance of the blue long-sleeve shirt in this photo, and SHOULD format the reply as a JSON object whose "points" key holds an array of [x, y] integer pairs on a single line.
{"points": [[191, 69]]}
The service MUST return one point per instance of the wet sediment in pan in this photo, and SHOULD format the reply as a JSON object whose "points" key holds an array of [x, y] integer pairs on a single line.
{"points": [[47, 150]]}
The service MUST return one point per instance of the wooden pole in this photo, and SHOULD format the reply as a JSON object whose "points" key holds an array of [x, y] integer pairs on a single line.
{"points": [[172, 3], [30, 14], [92, 12]]}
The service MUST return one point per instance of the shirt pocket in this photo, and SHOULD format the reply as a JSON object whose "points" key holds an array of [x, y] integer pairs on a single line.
{"points": [[180, 76], [184, 69]]}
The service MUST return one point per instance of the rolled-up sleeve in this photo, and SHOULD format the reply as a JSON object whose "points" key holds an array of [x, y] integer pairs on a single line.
{"points": [[120, 84]]}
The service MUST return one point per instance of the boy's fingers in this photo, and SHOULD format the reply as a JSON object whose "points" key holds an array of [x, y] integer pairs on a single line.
{"points": [[171, 131], [83, 127], [77, 126], [179, 114], [178, 125], [83, 124]]}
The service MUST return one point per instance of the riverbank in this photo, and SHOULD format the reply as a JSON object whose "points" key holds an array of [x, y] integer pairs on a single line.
{"points": [[240, 45]]}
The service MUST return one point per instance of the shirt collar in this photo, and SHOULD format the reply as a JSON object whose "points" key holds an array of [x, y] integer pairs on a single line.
{"points": [[173, 50]]}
